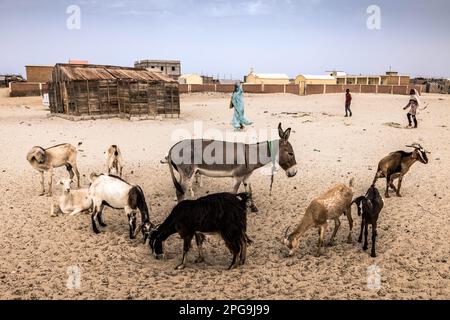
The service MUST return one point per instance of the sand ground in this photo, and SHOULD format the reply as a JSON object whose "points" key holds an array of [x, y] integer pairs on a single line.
{"points": [[37, 250]]}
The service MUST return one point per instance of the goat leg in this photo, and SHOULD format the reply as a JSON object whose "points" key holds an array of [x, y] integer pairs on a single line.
{"points": [[374, 236], [94, 225], [234, 262], [366, 233], [337, 224], [362, 230], [186, 247], [399, 186], [321, 236], [100, 218], [199, 238], [388, 178], [42, 183], [50, 182], [350, 224]]}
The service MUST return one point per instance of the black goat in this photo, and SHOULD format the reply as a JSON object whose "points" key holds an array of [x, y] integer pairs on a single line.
{"points": [[222, 213], [369, 206]]}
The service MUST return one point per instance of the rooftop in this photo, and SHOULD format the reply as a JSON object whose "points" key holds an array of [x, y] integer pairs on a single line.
{"points": [[100, 72]]}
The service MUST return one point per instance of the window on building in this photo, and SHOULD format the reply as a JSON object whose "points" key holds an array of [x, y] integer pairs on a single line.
{"points": [[173, 69], [153, 67], [162, 68]]}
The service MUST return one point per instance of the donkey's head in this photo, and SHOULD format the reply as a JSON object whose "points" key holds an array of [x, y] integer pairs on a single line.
{"points": [[286, 153]]}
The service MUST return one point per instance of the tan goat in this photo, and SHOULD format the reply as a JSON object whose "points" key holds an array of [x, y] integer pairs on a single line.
{"points": [[114, 160], [57, 156], [329, 206]]}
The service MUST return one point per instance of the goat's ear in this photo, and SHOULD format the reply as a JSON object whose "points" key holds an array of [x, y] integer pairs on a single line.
{"points": [[280, 131], [286, 134]]}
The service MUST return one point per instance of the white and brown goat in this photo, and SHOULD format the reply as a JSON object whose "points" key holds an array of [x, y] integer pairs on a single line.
{"points": [[329, 206], [57, 156], [397, 164], [114, 160]]}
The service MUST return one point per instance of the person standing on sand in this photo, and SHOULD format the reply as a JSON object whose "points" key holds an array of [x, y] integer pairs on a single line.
{"points": [[413, 104], [237, 102], [348, 102]]}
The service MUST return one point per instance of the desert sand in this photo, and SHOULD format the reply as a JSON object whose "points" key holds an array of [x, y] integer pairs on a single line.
{"points": [[38, 251]]}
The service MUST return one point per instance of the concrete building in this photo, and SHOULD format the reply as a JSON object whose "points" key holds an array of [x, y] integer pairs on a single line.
{"points": [[172, 68], [266, 78], [39, 73], [190, 78], [391, 78], [314, 79]]}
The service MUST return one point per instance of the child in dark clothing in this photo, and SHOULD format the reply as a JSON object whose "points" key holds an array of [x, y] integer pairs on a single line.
{"points": [[348, 102]]}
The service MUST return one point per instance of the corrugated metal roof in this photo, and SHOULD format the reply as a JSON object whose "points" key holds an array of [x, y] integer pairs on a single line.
{"points": [[98, 72]]}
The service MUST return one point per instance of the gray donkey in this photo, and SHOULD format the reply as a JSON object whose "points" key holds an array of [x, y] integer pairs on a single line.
{"points": [[222, 159]]}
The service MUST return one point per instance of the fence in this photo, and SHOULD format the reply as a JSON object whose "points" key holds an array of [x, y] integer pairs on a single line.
{"points": [[299, 89]]}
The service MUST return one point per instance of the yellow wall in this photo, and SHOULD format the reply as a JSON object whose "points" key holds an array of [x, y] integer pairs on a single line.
{"points": [[191, 79], [251, 79], [301, 79]]}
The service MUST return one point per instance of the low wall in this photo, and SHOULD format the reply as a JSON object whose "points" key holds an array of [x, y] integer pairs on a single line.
{"points": [[25, 89], [296, 89]]}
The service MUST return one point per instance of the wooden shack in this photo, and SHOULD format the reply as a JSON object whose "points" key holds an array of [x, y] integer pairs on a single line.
{"points": [[108, 91]]}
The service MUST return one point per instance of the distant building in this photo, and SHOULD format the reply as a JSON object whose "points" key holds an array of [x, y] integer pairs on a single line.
{"points": [[432, 85], [314, 79], [78, 62], [172, 68], [5, 79], [190, 78], [39, 73], [391, 78], [266, 78], [229, 81]]}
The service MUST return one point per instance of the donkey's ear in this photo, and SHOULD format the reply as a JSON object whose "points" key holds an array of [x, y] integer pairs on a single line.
{"points": [[280, 131], [286, 134]]}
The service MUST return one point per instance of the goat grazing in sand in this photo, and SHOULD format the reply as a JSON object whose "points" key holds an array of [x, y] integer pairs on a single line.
{"points": [[114, 160], [73, 201], [222, 213], [397, 164], [112, 191], [57, 156], [329, 206], [369, 206]]}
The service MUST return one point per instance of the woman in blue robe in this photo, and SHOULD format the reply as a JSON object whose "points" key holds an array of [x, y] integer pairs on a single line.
{"points": [[237, 102]]}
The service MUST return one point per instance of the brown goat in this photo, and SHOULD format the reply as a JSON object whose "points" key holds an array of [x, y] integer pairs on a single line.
{"points": [[397, 164], [57, 156], [329, 206]]}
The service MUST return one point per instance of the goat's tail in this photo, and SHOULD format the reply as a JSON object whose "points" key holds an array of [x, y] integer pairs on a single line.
{"points": [[180, 191], [352, 182], [142, 205]]}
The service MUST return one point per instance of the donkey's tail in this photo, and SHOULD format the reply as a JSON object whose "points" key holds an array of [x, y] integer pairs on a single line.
{"points": [[180, 191]]}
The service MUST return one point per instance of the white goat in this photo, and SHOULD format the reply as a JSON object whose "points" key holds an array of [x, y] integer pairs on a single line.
{"points": [[329, 206], [114, 159], [57, 156], [116, 193], [73, 201]]}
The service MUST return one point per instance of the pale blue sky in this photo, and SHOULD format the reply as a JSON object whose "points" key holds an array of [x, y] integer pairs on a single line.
{"points": [[229, 36]]}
